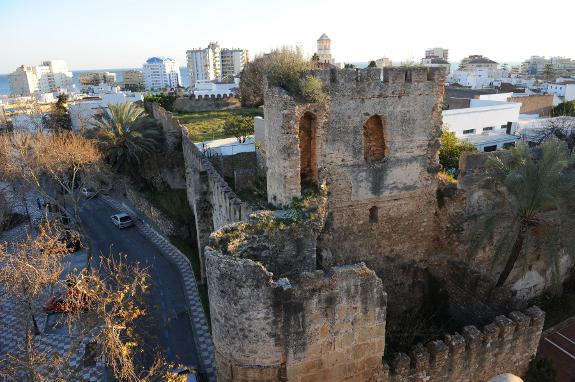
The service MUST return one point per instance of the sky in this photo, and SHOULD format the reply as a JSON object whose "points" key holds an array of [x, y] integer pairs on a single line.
{"points": [[124, 33]]}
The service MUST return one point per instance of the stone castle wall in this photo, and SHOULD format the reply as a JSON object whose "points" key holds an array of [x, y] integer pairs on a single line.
{"points": [[276, 318], [213, 201], [196, 104], [503, 346]]}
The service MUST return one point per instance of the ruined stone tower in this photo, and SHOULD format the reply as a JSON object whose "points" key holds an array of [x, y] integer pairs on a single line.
{"points": [[375, 143]]}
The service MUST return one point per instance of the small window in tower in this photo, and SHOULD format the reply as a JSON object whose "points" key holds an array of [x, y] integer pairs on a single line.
{"points": [[373, 215]]}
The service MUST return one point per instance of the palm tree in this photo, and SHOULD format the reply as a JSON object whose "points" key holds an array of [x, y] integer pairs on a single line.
{"points": [[125, 134], [530, 184]]}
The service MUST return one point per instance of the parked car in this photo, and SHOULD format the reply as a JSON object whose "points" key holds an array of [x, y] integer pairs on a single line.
{"points": [[122, 220], [188, 374], [67, 302], [88, 192]]}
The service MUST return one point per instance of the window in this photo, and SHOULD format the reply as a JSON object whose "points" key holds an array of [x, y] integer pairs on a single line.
{"points": [[488, 128], [504, 126], [470, 131], [373, 215], [374, 144], [488, 149], [307, 151]]}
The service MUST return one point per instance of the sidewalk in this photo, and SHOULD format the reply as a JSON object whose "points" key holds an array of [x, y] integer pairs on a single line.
{"points": [[199, 325], [13, 316]]}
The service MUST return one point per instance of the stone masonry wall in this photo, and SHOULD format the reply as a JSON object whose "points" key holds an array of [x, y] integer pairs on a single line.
{"points": [[213, 201], [295, 323], [535, 104], [193, 104], [503, 346], [376, 208]]}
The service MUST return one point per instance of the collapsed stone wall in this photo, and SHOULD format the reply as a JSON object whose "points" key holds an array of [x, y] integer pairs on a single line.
{"points": [[196, 104]]}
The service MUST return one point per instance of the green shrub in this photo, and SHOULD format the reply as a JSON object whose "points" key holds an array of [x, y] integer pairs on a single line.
{"points": [[541, 370], [165, 100], [285, 68], [239, 126], [450, 151]]}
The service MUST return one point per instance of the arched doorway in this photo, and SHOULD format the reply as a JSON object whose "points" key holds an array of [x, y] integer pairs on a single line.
{"points": [[307, 151], [374, 144]]}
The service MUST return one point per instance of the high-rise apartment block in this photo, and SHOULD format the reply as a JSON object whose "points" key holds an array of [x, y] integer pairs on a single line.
{"points": [[161, 73], [133, 80], [97, 78], [50, 76], [233, 61], [215, 64]]}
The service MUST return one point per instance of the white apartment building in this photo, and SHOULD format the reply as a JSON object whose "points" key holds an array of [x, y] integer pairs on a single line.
{"points": [[489, 123], [564, 89], [233, 62], [324, 49], [82, 110], [205, 64], [161, 73], [49, 77]]}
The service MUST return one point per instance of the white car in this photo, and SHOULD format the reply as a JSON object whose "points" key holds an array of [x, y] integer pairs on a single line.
{"points": [[122, 220]]}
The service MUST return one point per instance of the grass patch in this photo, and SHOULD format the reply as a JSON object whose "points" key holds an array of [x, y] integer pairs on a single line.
{"points": [[192, 255], [209, 125]]}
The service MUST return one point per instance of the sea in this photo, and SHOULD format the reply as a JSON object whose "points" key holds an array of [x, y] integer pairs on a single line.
{"points": [[5, 85]]}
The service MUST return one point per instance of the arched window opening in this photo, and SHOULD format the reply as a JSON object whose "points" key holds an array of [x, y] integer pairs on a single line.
{"points": [[307, 151], [374, 145], [373, 215]]}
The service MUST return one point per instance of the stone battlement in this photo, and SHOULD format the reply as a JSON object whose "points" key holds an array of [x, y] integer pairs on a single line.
{"points": [[382, 77], [505, 345]]}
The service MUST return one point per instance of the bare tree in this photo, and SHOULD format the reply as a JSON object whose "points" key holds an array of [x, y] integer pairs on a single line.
{"points": [[55, 166], [562, 128], [101, 308]]}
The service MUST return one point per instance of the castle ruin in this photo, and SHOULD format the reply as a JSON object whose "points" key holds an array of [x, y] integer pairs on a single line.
{"points": [[306, 291]]}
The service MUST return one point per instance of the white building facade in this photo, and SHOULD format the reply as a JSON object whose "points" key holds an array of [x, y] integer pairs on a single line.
{"points": [[489, 123], [205, 64], [161, 73], [49, 77]]}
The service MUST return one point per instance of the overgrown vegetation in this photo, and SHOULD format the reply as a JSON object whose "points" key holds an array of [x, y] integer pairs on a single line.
{"points": [[239, 126], [125, 134], [209, 125], [59, 118], [564, 109], [528, 185], [285, 68], [450, 152], [165, 100]]}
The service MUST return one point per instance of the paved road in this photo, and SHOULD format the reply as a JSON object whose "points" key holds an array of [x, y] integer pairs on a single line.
{"points": [[167, 325]]}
